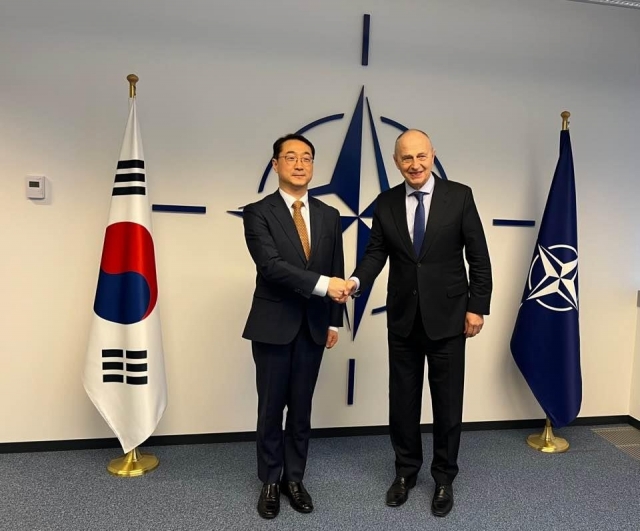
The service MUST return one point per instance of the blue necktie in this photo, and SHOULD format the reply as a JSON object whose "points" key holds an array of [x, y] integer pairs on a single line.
{"points": [[418, 222]]}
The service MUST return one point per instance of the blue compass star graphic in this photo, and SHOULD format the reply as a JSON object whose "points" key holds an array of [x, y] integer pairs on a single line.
{"points": [[345, 184]]}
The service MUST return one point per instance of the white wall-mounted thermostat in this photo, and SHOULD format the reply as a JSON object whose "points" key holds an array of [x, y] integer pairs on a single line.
{"points": [[35, 186]]}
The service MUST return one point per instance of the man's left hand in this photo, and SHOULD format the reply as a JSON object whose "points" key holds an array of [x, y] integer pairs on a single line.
{"points": [[473, 324], [332, 338]]}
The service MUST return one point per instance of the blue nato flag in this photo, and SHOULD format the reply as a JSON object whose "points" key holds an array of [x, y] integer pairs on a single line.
{"points": [[546, 338]]}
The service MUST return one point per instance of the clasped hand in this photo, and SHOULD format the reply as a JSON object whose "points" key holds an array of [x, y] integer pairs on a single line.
{"points": [[340, 290]]}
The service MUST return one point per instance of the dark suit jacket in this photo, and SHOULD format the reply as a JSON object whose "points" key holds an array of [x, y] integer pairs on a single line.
{"points": [[285, 280], [437, 279]]}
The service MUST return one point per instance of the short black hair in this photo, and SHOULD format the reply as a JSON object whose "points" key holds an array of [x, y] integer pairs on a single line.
{"points": [[277, 145]]}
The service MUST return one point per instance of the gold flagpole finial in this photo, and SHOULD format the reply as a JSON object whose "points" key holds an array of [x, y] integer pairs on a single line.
{"points": [[565, 119], [132, 79]]}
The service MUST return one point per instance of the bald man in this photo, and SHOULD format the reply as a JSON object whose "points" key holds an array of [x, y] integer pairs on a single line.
{"points": [[425, 227]]}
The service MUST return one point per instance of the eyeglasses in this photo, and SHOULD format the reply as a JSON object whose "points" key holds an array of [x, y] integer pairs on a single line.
{"points": [[292, 159]]}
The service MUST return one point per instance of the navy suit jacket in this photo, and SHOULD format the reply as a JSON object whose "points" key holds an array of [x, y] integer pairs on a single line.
{"points": [[437, 278], [285, 279]]}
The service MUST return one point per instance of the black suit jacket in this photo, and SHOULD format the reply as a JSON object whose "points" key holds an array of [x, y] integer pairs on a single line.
{"points": [[285, 280], [437, 278]]}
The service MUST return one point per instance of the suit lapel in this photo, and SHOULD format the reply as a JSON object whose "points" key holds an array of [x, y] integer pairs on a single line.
{"points": [[436, 212], [315, 217], [399, 210], [285, 218]]}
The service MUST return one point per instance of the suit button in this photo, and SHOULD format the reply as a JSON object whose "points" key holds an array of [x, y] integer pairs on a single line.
{"points": [[419, 264], [415, 292]]}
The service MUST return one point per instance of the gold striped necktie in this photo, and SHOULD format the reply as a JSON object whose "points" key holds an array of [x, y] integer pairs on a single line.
{"points": [[301, 227]]}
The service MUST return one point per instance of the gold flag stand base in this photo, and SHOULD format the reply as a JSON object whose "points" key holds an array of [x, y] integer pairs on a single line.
{"points": [[547, 442], [133, 464]]}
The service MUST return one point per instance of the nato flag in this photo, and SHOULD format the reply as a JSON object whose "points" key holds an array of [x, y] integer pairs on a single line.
{"points": [[546, 339]]}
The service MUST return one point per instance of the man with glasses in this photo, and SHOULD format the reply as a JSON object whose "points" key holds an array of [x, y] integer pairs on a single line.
{"points": [[423, 226], [296, 243]]}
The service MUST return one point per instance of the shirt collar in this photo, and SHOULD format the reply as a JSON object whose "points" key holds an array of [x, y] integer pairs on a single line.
{"points": [[427, 188], [289, 199]]}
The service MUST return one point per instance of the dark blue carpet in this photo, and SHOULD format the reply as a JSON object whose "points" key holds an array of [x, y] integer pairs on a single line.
{"points": [[503, 485]]}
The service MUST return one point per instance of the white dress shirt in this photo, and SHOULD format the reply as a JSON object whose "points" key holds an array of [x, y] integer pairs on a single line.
{"points": [[411, 202]]}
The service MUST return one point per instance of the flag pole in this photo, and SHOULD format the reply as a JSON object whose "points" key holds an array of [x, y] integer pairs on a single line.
{"points": [[133, 463], [547, 442]]}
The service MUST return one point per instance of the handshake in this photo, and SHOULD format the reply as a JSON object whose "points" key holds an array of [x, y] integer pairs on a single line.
{"points": [[340, 290]]}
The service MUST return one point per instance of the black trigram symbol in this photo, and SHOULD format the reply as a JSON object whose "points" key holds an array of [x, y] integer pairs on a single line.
{"points": [[113, 359], [130, 178]]}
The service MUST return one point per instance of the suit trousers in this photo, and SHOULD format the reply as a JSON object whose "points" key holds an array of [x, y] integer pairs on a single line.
{"points": [[286, 375], [445, 359]]}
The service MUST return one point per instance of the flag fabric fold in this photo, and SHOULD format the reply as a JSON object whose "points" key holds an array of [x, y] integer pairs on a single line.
{"points": [[124, 373], [546, 339]]}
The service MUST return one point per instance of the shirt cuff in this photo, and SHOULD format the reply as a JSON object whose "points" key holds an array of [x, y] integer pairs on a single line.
{"points": [[321, 287], [334, 328], [357, 281]]}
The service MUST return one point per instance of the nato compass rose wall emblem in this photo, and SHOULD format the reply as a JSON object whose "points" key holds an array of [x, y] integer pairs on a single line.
{"points": [[345, 184], [553, 278]]}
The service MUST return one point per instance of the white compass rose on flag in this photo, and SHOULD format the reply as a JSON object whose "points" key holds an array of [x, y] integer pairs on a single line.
{"points": [[553, 278]]}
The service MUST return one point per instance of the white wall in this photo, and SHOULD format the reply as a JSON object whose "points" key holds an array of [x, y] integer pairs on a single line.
{"points": [[219, 81]]}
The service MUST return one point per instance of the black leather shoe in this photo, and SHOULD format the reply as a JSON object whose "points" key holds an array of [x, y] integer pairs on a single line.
{"points": [[442, 502], [398, 492], [269, 501], [298, 496]]}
